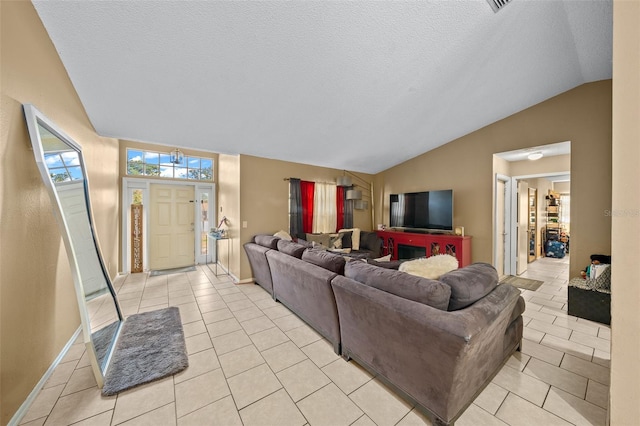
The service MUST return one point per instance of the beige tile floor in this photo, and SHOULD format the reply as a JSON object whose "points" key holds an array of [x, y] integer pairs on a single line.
{"points": [[252, 362]]}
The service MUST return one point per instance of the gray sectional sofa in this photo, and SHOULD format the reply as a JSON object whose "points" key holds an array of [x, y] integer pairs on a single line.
{"points": [[436, 342]]}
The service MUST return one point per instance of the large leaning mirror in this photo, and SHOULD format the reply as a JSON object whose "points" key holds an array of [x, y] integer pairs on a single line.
{"points": [[63, 171]]}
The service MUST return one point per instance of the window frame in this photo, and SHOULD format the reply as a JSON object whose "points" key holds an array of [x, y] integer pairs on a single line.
{"points": [[158, 166]]}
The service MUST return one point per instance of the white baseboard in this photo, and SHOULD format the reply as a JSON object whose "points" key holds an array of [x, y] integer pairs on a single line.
{"points": [[17, 417]]}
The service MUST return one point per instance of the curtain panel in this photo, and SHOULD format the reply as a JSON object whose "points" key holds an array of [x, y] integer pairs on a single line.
{"points": [[307, 190], [325, 216], [295, 207], [340, 195]]}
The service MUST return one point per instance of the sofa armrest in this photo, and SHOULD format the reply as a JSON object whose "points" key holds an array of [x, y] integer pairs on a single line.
{"points": [[441, 359]]}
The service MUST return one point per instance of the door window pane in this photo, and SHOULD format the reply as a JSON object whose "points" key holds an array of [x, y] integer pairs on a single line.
{"points": [[204, 226]]}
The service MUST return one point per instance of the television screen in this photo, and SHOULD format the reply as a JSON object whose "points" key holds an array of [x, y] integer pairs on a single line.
{"points": [[431, 210]]}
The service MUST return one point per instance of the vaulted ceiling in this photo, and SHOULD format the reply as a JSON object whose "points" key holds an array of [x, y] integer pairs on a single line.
{"points": [[356, 85]]}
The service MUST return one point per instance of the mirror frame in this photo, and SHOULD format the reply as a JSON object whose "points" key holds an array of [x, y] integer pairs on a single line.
{"points": [[34, 118]]}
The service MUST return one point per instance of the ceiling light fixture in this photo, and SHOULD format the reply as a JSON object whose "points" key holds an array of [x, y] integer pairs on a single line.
{"points": [[176, 156], [497, 5], [534, 156]]}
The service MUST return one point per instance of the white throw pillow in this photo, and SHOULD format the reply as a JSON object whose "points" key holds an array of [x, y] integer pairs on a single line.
{"points": [[431, 267], [386, 258], [283, 235], [355, 237]]}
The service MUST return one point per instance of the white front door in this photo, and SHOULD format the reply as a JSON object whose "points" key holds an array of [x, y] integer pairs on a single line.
{"points": [[171, 226]]}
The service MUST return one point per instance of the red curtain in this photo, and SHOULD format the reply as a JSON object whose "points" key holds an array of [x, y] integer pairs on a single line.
{"points": [[306, 191], [340, 207]]}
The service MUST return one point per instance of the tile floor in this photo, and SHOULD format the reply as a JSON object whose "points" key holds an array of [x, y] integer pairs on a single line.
{"points": [[254, 363]]}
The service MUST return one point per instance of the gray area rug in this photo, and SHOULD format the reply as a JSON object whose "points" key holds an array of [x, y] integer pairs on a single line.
{"points": [[525, 283], [172, 271], [151, 346]]}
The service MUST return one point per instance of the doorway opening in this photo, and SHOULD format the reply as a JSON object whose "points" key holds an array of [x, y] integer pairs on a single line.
{"points": [[142, 241], [526, 224]]}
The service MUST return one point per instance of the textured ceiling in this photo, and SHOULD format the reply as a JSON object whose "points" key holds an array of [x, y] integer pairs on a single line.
{"points": [[357, 85]]}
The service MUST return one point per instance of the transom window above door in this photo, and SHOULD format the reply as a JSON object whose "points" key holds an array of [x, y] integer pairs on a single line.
{"points": [[158, 164]]}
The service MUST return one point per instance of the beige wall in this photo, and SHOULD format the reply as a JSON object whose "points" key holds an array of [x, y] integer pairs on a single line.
{"points": [[562, 187], [581, 115], [555, 164], [229, 188], [625, 299], [265, 196], [38, 308]]}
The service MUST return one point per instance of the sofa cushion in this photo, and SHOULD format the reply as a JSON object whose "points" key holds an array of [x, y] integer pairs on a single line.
{"points": [[304, 242], [322, 239], [346, 238], [269, 241], [284, 235], [423, 290], [355, 237], [470, 284], [325, 240], [324, 259], [291, 248], [336, 241], [370, 241]]}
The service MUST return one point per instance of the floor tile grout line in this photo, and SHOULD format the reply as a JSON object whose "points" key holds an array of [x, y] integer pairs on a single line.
{"points": [[564, 353], [569, 371], [499, 406]]}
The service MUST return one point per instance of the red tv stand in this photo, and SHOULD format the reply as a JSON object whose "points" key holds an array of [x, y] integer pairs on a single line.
{"points": [[414, 244]]}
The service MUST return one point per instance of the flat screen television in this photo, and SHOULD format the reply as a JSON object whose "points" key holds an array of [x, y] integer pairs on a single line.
{"points": [[427, 210]]}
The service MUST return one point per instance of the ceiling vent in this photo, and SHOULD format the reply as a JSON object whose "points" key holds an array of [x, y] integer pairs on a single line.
{"points": [[496, 5]]}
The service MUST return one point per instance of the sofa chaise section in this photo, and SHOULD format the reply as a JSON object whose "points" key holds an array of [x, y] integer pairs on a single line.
{"points": [[439, 359], [305, 289]]}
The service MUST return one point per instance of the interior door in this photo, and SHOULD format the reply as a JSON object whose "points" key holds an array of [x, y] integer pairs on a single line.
{"points": [[523, 227], [500, 227], [171, 226]]}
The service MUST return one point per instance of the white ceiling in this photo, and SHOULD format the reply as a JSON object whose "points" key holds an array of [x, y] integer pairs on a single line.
{"points": [[356, 85]]}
